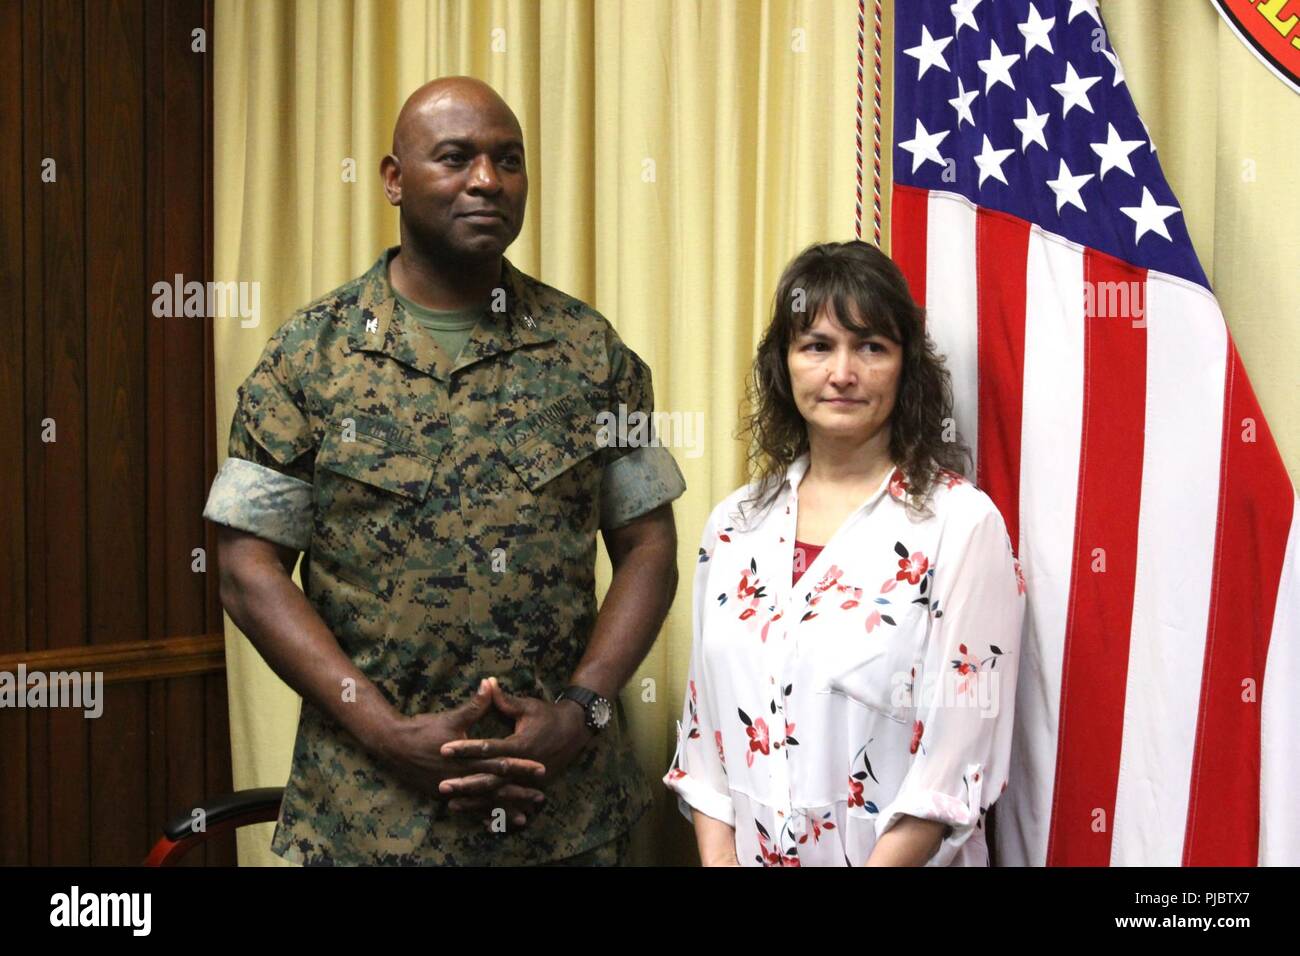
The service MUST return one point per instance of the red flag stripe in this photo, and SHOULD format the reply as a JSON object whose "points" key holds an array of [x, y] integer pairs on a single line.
{"points": [[1002, 246], [1095, 665], [1255, 510], [910, 214]]}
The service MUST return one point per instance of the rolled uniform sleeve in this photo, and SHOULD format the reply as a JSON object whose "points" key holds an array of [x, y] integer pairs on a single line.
{"points": [[638, 477], [961, 740], [265, 485], [699, 771]]}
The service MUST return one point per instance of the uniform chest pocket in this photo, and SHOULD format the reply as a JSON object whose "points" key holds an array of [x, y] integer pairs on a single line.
{"points": [[369, 494], [556, 471], [880, 668]]}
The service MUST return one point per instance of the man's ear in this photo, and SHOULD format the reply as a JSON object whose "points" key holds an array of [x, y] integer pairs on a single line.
{"points": [[390, 170]]}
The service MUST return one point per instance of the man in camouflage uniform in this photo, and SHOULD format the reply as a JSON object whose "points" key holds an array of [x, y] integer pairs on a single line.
{"points": [[427, 436]]}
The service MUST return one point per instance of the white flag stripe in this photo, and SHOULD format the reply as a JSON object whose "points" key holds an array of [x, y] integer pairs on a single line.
{"points": [[1049, 480], [1279, 845], [952, 304], [1186, 359]]}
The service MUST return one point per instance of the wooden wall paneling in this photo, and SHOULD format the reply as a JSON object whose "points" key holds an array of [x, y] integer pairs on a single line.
{"points": [[14, 430], [14, 843], [120, 828], [99, 526], [183, 403], [185, 747], [220, 851], [212, 441], [116, 311], [160, 811], [127, 661], [34, 461], [155, 329], [64, 318], [116, 315], [128, 796], [13, 424]]}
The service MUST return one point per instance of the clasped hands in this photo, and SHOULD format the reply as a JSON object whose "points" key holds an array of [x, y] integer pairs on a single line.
{"points": [[480, 776]]}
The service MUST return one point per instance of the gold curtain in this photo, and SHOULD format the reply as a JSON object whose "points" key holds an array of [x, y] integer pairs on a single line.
{"points": [[680, 152]]}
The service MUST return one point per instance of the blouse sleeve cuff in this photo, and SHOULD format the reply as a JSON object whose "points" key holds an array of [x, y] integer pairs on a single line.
{"points": [[691, 793], [962, 815]]}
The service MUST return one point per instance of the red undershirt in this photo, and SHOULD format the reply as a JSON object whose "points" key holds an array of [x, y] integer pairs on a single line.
{"points": [[809, 553]]}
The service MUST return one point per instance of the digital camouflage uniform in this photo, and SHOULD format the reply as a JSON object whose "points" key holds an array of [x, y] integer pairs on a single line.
{"points": [[448, 514]]}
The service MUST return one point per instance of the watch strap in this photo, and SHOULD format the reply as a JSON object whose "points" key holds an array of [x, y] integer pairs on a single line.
{"points": [[587, 700], [579, 695]]}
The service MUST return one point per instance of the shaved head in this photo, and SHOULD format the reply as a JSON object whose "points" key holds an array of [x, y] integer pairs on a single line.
{"points": [[457, 173], [424, 107]]}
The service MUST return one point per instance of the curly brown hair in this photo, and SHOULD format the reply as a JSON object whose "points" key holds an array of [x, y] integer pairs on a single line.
{"points": [[869, 296]]}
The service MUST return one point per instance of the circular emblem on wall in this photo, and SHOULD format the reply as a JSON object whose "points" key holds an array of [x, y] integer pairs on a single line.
{"points": [[1271, 29]]}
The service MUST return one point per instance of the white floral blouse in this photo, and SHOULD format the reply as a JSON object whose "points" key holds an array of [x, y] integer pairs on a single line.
{"points": [[882, 683]]}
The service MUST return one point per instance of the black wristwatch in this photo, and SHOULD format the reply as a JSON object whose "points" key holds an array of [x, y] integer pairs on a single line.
{"points": [[599, 710]]}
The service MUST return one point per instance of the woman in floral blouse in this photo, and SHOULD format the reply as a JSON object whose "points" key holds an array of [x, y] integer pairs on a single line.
{"points": [[857, 606]]}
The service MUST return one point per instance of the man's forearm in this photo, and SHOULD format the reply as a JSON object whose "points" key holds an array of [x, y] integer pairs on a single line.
{"points": [[640, 593], [287, 631]]}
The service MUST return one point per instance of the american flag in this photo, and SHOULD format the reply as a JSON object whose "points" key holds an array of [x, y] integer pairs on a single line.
{"points": [[1113, 425]]}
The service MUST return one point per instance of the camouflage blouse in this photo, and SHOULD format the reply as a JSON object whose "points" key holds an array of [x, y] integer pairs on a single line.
{"points": [[448, 515]]}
